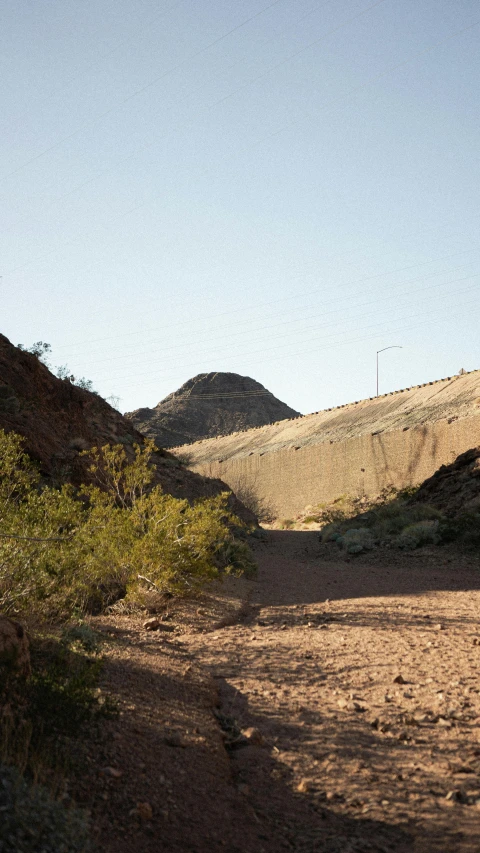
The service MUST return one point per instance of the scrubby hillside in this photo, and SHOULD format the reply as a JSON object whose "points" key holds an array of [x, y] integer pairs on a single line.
{"points": [[208, 405], [58, 420]]}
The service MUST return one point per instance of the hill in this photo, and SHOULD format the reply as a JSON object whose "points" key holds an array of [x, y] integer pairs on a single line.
{"points": [[209, 405], [58, 420]]}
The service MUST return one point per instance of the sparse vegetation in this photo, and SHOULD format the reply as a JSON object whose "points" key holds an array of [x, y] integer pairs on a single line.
{"points": [[43, 351], [42, 720], [286, 523], [393, 520], [33, 821]]}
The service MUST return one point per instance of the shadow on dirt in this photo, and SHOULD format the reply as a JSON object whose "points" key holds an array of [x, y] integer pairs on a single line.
{"points": [[204, 798], [302, 821], [325, 572]]}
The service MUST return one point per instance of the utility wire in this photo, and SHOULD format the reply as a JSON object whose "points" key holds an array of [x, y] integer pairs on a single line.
{"points": [[66, 84], [328, 347], [351, 307], [140, 91], [182, 127], [287, 126], [261, 352], [299, 294]]}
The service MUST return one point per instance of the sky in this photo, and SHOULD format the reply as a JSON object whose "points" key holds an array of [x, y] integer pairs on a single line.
{"points": [[275, 189]]}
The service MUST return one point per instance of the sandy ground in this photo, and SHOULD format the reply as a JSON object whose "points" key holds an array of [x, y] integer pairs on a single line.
{"points": [[360, 680]]}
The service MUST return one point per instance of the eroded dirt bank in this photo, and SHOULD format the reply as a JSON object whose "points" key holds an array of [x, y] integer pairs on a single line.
{"points": [[361, 679]]}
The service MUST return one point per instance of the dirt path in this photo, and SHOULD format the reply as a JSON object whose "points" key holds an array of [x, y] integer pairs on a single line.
{"points": [[369, 702], [361, 681]]}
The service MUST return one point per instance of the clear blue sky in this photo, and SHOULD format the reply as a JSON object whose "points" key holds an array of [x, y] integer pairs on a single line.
{"points": [[277, 189]]}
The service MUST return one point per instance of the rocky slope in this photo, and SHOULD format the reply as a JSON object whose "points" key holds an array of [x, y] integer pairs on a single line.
{"points": [[58, 420], [208, 405], [454, 488]]}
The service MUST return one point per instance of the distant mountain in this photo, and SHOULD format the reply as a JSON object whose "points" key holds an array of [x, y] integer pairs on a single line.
{"points": [[208, 405]]}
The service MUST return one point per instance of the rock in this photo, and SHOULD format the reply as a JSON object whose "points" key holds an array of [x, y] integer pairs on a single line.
{"points": [[253, 736], [51, 412], [14, 647], [399, 679], [113, 772], [457, 796], [173, 739], [304, 786], [144, 811]]}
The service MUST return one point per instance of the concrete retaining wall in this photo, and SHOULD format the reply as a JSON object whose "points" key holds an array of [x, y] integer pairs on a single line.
{"points": [[289, 480], [396, 440]]}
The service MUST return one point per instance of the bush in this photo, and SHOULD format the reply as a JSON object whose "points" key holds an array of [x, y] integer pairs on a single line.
{"points": [[60, 555], [356, 540], [420, 533], [31, 821], [390, 519]]}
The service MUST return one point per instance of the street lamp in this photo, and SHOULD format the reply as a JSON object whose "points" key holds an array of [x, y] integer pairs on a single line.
{"points": [[395, 346]]}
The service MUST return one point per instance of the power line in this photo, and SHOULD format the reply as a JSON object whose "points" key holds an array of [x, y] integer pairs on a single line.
{"points": [[261, 352], [270, 326], [140, 91], [285, 127], [147, 25], [187, 125], [268, 303], [329, 346]]}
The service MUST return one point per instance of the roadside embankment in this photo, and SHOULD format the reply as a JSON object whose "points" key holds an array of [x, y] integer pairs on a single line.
{"points": [[398, 439]]}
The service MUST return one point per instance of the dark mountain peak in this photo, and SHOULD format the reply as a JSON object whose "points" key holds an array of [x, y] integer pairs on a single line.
{"points": [[208, 405]]}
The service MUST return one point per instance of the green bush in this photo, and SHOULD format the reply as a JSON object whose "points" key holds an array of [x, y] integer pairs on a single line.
{"points": [[390, 519], [60, 555], [356, 540], [420, 533], [32, 822]]}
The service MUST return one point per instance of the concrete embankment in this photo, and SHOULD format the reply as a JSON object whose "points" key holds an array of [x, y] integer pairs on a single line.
{"points": [[397, 439]]}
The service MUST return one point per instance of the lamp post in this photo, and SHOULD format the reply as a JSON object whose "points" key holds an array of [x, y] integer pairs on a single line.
{"points": [[395, 346]]}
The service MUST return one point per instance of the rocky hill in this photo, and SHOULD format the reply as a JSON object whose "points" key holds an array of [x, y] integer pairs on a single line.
{"points": [[58, 420], [454, 488], [209, 405]]}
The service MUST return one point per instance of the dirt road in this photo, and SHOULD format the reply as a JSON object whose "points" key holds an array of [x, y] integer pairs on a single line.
{"points": [[360, 680]]}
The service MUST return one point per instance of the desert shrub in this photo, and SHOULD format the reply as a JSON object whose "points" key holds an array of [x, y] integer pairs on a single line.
{"points": [[356, 540], [331, 532], [60, 555], [464, 527], [389, 519], [41, 712], [32, 821], [419, 533], [286, 523], [81, 634]]}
